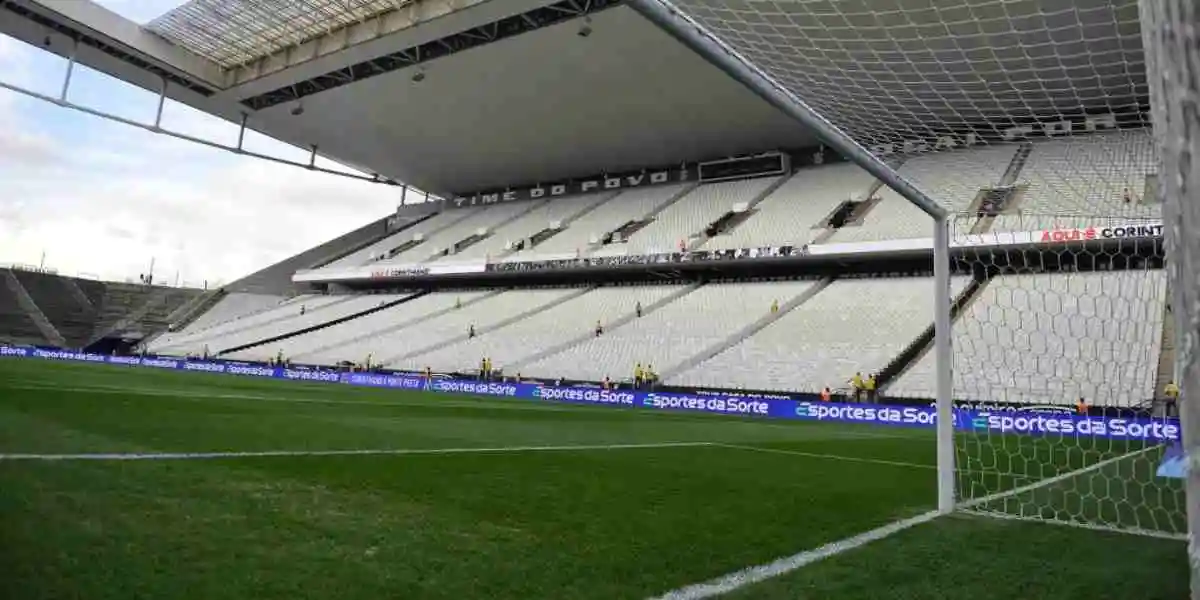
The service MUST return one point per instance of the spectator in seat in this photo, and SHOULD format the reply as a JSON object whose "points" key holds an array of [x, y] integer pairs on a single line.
{"points": [[302, 310], [638, 309], [471, 331], [1127, 196], [599, 328], [774, 306], [856, 383], [458, 302], [869, 385]]}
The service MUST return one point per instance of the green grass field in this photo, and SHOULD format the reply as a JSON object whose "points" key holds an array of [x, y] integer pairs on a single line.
{"points": [[571, 502]]}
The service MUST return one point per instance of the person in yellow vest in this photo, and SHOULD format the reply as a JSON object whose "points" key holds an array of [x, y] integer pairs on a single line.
{"points": [[637, 376], [869, 385], [487, 367], [774, 306], [1171, 391], [856, 382], [649, 376]]}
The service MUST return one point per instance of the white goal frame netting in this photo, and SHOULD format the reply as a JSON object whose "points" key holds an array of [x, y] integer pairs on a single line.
{"points": [[1027, 122]]}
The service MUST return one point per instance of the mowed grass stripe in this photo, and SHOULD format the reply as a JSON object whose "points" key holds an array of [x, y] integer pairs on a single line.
{"points": [[583, 525]]}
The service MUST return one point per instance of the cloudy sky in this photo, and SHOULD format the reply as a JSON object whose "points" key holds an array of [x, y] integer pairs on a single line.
{"points": [[102, 199]]}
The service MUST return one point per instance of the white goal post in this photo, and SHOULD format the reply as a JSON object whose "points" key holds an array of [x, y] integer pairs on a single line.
{"points": [[1022, 130], [1172, 42]]}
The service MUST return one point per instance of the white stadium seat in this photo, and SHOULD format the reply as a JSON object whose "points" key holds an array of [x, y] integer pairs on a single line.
{"points": [[534, 221], [670, 335], [230, 307], [393, 349], [628, 206], [379, 250], [1053, 338], [197, 342], [487, 218], [568, 321], [1081, 181], [352, 341], [790, 214], [296, 322], [854, 325], [693, 213], [953, 178]]}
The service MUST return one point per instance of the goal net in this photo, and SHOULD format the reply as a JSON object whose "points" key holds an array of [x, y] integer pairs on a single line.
{"points": [[1029, 122]]}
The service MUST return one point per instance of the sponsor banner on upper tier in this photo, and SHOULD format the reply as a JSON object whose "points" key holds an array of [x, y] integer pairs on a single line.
{"points": [[1156, 430]]}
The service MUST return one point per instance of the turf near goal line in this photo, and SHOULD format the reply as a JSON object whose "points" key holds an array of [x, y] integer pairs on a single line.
{"points": [[128, 483]]}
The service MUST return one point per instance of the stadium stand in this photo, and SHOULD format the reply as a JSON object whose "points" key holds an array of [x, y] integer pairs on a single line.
{"points": [[1071, 183], [544, 219], [794, 214], [853, 325], [299, 318], [423, 227], [195, 341], [27, 303], [233, 306], [78, 312], [671, 335], [373, 335], [954, 179], [492, 312], [571, 321], [590, 229], [686, 218], [140, 309], [462, 233], [16, 326], [1105, 344]]}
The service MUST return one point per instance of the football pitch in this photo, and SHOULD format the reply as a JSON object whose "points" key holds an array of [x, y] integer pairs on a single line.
{"points": [[120, 483]]}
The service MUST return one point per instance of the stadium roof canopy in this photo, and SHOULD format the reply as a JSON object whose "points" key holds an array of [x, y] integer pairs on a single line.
{"points": [[454, 96], [235, 32]]}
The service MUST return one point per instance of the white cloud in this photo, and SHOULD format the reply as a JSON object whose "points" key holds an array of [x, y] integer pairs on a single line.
{"points": [[103, 198]]}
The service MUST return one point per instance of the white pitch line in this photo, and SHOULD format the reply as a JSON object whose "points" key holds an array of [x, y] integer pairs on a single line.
{"points": [[118, 456], [782, 566], [873, 461]]}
